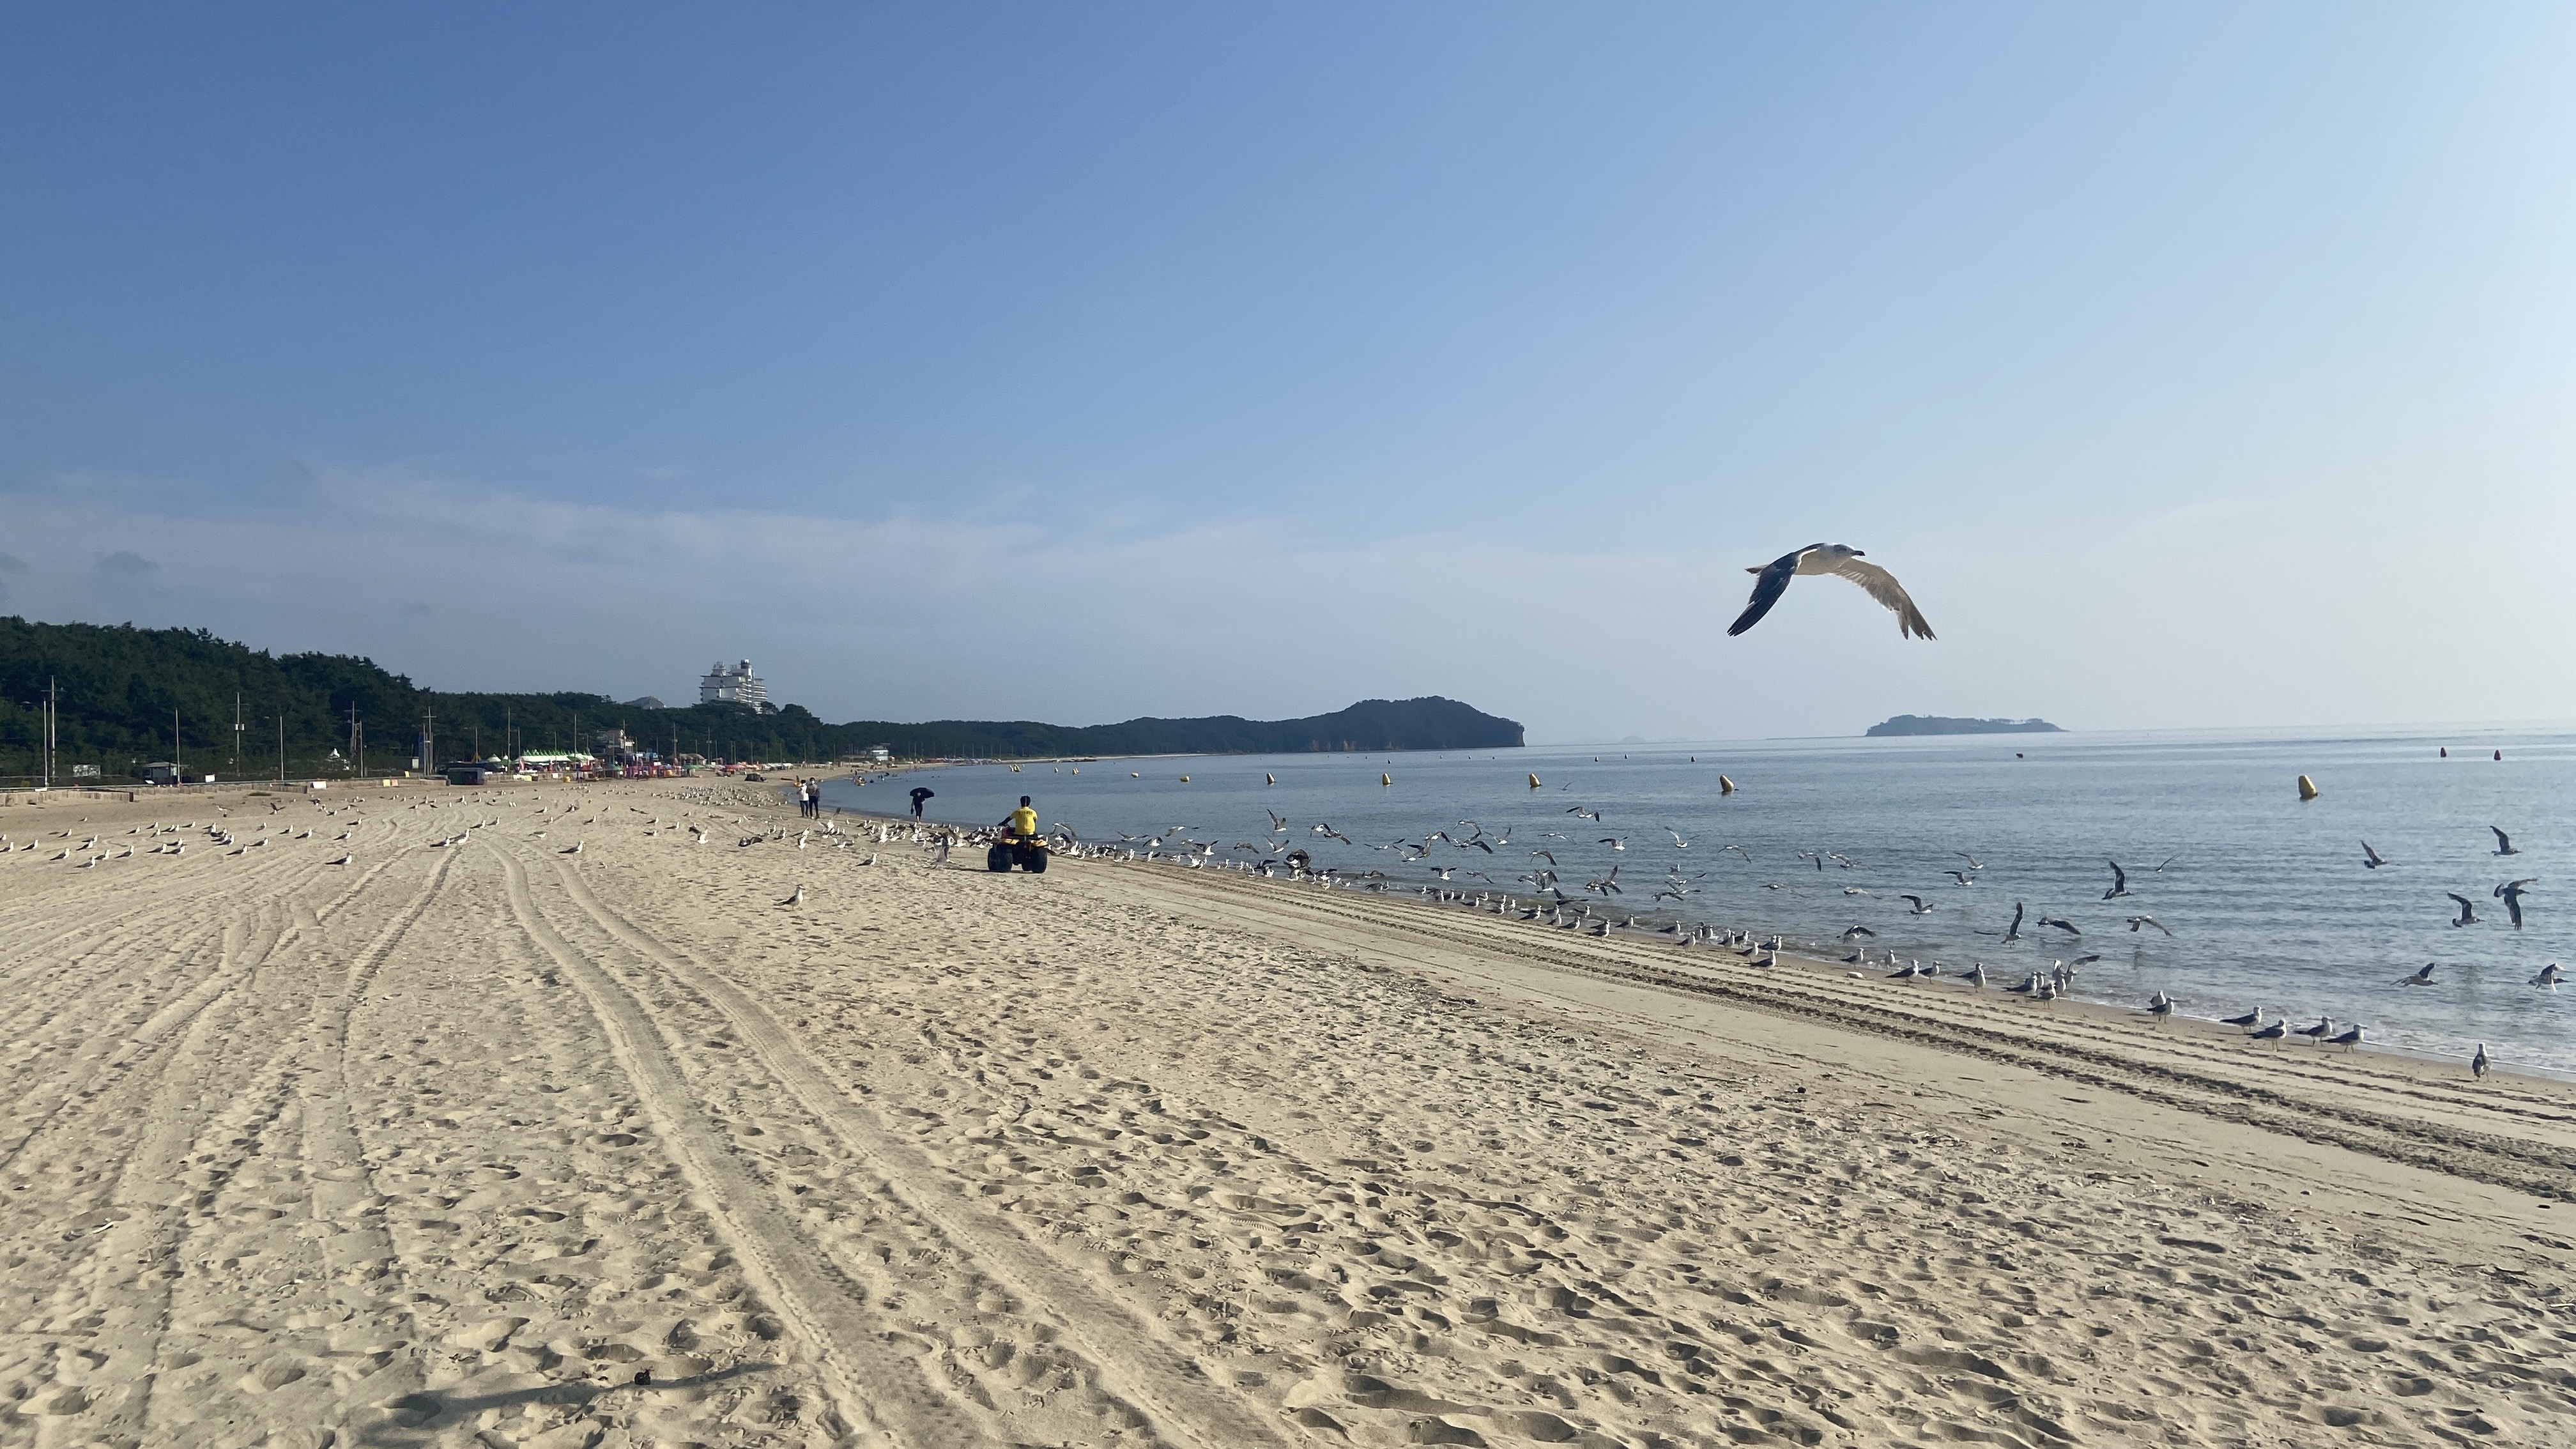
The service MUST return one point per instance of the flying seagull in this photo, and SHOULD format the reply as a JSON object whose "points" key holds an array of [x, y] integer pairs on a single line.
{"points": [[2423, 975], [2370, 859], [2511, 894], [2549, 976], [2136, 921], [2012, 932], [2468, 909], [2067, 926], [2119, 882], [2504, 843], [1841, 560], [1921, 907]]}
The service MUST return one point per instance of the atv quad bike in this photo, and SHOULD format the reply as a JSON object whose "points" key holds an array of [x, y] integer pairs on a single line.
{"points": [[1029, 853]]}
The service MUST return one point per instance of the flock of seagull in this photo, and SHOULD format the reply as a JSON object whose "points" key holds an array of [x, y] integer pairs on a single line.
{"points": [[1539, 892]]}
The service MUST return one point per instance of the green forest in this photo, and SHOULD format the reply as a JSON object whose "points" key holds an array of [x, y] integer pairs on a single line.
{"points": [[131, 696]]}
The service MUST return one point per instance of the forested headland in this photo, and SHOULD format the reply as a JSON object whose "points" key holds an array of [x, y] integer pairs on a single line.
{"points": [[120, 687]]}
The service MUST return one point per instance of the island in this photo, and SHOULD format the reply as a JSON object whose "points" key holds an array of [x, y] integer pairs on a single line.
{"points": [[1939, 724]]}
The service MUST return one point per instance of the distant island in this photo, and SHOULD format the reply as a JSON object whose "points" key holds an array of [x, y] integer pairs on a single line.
{"points": [[1941, 724], [120, 688]]}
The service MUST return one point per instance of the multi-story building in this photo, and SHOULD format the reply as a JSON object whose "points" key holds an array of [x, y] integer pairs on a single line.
{"points": [[733, 684]]}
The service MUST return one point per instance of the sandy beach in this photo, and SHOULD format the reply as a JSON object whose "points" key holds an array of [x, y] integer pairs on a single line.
{"points": [[476, 1139]]}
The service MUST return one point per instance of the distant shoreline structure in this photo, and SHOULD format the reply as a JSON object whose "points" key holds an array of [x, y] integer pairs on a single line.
{"points": [[1937, 724]]}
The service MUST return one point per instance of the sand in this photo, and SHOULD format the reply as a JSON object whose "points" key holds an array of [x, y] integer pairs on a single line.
{"points": [[490, 1143]]}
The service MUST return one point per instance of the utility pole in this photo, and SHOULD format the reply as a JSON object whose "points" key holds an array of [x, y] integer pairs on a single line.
{"points": [[281, 747], [53, 710], [357, 756], [509, 735], [177, 765], [237, 732]]}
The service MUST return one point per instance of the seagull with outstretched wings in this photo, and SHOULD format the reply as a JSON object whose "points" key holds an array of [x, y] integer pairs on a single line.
{"points": [[1843, 561]]}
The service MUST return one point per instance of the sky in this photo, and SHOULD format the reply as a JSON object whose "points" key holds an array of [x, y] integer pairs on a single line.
{"points": [[2192, 365]]}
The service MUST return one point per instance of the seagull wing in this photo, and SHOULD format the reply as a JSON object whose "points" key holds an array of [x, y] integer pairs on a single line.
{"points": [[1881, 585], [1767, 589]]}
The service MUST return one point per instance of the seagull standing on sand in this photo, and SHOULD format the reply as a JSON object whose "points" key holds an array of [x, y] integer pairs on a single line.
{"points": [[2160, 1006], [797, 899], [1842, 561], [2348, 1038], [2478, 1063], [2250, 1019]]}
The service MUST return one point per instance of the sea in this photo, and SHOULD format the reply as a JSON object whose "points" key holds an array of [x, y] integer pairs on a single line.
{"points": [[2265, 894]]}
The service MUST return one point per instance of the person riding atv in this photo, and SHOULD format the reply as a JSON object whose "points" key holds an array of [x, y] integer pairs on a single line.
{"points": [[1019, 843]]}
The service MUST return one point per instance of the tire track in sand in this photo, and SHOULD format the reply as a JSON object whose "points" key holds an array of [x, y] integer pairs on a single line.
{"points": [[870, 1377], [1148, 1368], [83, 1091], [152, 1208]]}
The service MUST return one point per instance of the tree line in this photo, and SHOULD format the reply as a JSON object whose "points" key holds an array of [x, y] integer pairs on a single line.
{"points": [[130, 696]]}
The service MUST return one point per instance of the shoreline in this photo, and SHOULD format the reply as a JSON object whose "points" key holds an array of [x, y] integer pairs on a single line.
{"points": [[569, 1130]]}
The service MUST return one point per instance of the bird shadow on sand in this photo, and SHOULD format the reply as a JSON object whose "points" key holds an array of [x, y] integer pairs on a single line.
{"points": [[413, 1418]]}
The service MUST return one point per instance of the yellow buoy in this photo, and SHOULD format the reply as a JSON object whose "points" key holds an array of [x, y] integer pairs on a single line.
{"points": [[2307, 788], [1185, 779], [1725, 786], [1132, 775], [1385, 779], [1533, 782], [1077, 769], [1015, 769]]}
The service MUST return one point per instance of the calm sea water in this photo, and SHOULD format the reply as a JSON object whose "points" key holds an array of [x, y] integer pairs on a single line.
{"points": [[2266, 895]]}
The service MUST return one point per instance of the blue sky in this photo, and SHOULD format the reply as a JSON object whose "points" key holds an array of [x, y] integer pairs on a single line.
{"points": [[2193, 365]]}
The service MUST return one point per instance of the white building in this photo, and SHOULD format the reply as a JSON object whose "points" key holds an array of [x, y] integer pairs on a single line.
{"points": [[733, 684]]}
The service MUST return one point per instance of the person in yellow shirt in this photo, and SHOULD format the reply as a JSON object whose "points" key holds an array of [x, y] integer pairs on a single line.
{"points": [[1022, 822]]}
